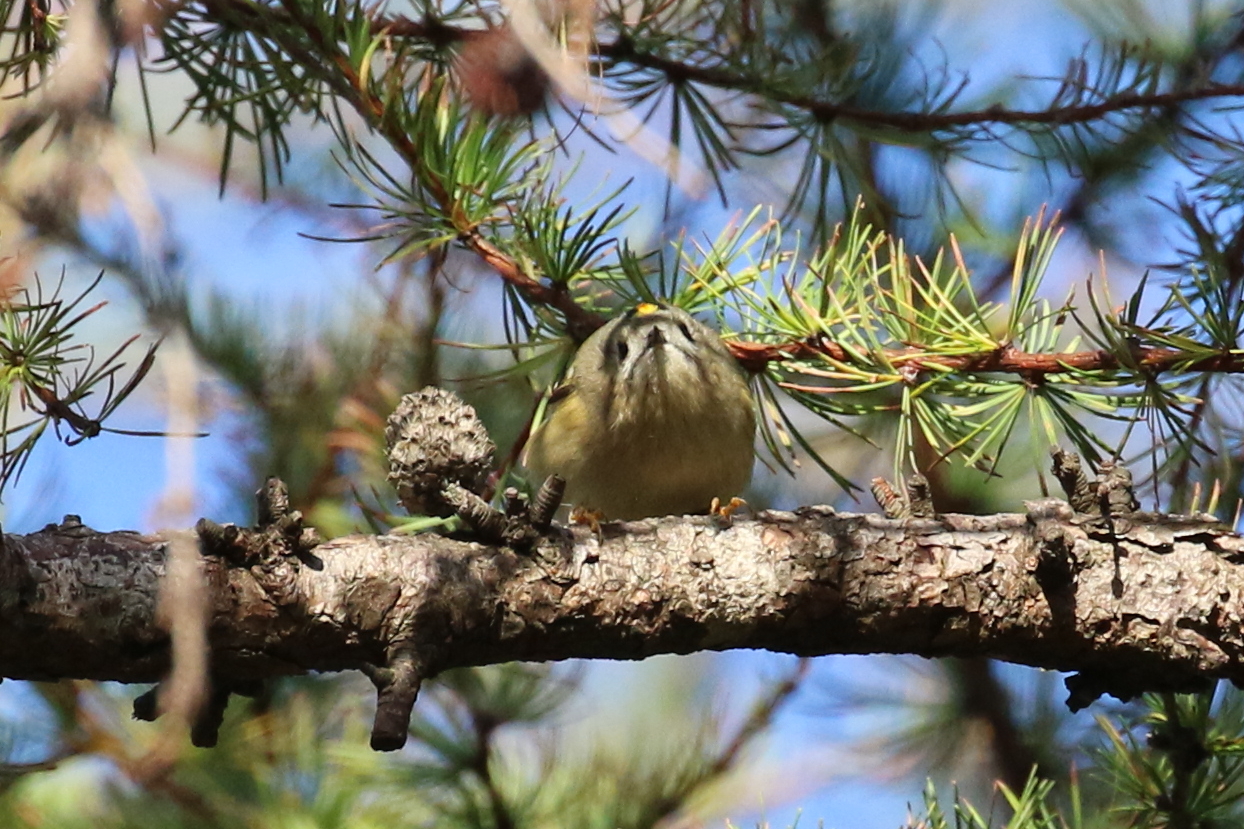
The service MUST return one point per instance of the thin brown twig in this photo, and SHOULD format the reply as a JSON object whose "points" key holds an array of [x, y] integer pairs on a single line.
{"points": [[1148, 359], [986, 698], [924, 122], [623, 50], [346, 83], [761, 716], [758, 720]]}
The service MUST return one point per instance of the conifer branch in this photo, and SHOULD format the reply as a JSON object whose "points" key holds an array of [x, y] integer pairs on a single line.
{"points": [[1132, 601], [1007, 360], [622, 50]]}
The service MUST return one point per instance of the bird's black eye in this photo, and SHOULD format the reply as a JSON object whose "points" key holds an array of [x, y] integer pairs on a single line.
{"points": [[686, 332], [623, 350]]}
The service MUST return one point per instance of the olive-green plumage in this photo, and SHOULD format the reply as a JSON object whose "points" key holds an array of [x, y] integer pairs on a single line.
{"points": [[654, 418]]}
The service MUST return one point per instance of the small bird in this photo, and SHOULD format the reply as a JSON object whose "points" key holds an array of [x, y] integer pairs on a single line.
{"points": [[654, 418]]}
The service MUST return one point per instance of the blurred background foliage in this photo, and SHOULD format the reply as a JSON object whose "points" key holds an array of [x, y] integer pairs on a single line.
{"points": [[846, 182]]}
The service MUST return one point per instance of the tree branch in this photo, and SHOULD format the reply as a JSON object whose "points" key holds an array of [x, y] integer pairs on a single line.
{"points": [[1005, 359], [1136, 602], [623, 50], [297, 32]]}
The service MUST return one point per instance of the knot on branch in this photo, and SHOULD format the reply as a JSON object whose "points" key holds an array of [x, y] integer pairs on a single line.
{"points": [[272, 551], [1110, 494], [1069, 471], [1055, 564], [279, 533], [915, 501], [1115, 495], [397, 686], [1085, 687], [205, 730]]}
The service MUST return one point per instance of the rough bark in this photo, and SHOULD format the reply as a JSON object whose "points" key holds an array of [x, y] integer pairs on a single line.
{"points": [[1133, 603]]}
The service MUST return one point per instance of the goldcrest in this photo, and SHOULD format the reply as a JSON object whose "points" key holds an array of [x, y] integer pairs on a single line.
{"points": [[654, 417]]}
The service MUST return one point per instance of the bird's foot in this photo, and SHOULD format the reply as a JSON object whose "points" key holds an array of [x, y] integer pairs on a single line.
{"points": [[588, 516], [724, 513]]}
